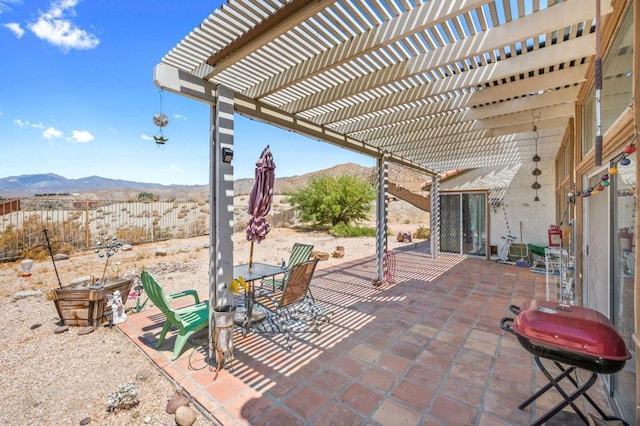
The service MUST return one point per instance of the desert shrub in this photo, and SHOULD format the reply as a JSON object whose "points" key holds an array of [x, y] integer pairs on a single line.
{"points": [[330, 201], [422, 233], [147, 196], [344, 230]]}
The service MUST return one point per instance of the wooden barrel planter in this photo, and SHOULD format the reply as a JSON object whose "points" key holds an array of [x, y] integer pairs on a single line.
{"points": [[83, 304]]}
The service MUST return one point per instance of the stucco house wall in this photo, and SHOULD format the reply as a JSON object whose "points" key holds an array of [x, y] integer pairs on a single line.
{"points": [[511, 199]]}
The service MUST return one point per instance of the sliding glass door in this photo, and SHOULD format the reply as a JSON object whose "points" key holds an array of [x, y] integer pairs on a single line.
{"points": [[463, 223]]}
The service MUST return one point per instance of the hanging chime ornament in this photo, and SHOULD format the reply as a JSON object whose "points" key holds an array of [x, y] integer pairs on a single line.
{"points": [[160, 120], [536, 158]]}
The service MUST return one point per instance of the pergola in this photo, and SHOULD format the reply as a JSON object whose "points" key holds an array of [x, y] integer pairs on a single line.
{"points": [[434, 85]]}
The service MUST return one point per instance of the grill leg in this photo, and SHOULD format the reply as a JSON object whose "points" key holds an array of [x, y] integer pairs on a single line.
{"points": [[546, 387], [568, 399]]}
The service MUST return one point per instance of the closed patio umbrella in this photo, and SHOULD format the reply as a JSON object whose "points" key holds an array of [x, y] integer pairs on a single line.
{"points": [[260, 200]]}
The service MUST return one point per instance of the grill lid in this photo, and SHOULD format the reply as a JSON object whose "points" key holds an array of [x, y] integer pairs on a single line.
{"points": [[571, 328]]}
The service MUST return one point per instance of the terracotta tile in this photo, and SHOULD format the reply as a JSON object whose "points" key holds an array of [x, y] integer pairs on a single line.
{"points": [[365, 353], [278, 417], [442, 348], [338, 415], [331, 382], [225, 389], [474, 358], [488, 419], [378, 379], [506, 408], [225, 418], [433, 361], [393, 363], [452, 411], [390, 412], [406, 350], [508, 385], [452, 338], [350, 366], [463, 391], [360, 398], [282, 387], [413, 394], [248, 406], [436, 358], [424, 376], [306, 402]]}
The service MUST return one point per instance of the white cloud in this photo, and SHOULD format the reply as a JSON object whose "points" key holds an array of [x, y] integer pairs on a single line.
{"points": [[52, 133], [146, 138], [179, 116], [25, 124], [54, 27], [15, 28], [6, 5], [82, 136]]}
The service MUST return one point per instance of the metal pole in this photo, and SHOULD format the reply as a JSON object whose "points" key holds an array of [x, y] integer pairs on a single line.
{"points": [[598, 84]]}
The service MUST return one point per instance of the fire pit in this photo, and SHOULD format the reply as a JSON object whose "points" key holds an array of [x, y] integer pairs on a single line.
{"points": [[571, 336]]}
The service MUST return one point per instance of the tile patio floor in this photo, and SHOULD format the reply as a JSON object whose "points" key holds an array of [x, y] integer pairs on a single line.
{"points": [[427, 350]]}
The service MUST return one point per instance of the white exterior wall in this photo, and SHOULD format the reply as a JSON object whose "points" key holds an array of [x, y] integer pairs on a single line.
{"points": [[512, 185]]}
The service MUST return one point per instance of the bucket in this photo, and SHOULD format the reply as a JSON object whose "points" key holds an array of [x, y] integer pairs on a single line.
{"points": [[223, 315], [517, 252]]}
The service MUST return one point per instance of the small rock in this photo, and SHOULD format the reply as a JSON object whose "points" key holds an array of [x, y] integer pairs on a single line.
{"points": [[147, 420], [81, 280], [27, 293], [60, 256], [85, 421], [185, 416], [161, 252], [61, 329], [143, 374], [85, 330], [34, 326], [126, 247], [176, 401], [135, 414]]}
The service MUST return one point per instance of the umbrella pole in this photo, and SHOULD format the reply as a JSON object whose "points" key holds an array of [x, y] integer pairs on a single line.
{"points": [[251, 256]]}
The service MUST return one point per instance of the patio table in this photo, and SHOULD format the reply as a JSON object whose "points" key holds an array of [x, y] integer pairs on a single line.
{"points": [[258, 272]]}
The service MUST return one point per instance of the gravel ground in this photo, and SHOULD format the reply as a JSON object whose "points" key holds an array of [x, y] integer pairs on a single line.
{"points": [[67, 378]]}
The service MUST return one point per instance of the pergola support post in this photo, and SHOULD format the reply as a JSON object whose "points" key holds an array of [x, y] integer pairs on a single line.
{"points": [[434, 217], [221, 205], [382, 184]]}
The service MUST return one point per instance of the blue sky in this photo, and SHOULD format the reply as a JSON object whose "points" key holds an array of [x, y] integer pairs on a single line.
{"points": [[77, 97]]}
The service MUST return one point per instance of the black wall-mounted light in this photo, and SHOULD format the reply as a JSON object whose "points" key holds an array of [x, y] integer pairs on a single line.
{"points": [[227, 155]]}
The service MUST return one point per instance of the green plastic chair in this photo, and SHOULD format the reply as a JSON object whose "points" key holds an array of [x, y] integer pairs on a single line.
{"points": [[187, 319], [299, 253]]}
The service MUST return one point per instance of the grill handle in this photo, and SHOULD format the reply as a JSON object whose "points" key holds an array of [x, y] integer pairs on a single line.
{"points": [[515, 309], [505, 326]]}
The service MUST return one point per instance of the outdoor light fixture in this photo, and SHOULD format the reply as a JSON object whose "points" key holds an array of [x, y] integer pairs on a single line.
{"points": [[227, 155]]}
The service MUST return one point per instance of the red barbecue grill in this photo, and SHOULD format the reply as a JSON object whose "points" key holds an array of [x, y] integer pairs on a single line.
{"points": [[571, 336]]}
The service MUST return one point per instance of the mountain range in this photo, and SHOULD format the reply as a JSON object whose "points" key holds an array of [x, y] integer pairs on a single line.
{"points": [[103, 188]]}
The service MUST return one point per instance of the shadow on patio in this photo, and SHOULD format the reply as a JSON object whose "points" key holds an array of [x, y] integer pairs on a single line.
{"points": [[425, 350]]}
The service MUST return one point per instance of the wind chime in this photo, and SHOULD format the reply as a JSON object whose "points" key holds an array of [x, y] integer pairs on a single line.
{"points": [[160, 120], [536, 158]]}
